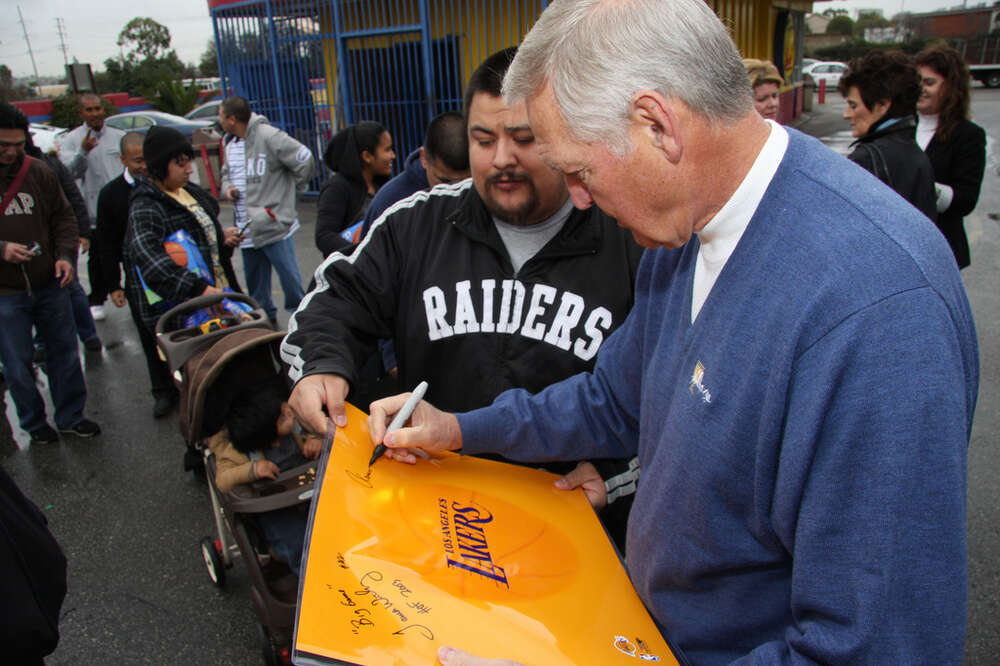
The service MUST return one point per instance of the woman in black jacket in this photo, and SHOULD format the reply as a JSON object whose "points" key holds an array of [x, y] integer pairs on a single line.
{"points": [[361, 157], [955, 145], [154, 281], [881, 90]]}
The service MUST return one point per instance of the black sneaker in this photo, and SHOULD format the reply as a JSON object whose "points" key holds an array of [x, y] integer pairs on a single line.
{"points": [[85, 428], [44, 435]]}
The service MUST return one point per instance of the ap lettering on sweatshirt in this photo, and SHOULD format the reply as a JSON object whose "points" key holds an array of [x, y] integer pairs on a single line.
{"points": [[22, 204], [536, 311]]}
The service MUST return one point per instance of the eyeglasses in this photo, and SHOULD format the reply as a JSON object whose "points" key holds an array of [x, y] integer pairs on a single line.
{"points": [[4, 145]]}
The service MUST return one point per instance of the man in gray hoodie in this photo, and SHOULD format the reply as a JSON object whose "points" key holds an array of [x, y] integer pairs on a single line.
{"points": [[264, 171]]}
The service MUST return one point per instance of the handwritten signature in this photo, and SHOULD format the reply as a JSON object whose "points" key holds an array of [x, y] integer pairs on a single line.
{"points": [[374, 577], [364, 480]]}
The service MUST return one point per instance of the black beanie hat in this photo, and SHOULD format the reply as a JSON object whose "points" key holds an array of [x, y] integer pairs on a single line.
{"points": [[162, 145]]}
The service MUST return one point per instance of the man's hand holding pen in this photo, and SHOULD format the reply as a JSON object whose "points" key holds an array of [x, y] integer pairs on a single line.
{"points": [[430, 429]]}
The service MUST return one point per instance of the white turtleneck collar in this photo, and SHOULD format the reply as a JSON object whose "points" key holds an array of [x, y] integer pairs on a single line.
{"points": [[926, 126], [720, 236]]}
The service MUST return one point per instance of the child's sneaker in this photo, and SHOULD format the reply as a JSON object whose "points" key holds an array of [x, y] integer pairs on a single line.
{"points": [[84, 428]]}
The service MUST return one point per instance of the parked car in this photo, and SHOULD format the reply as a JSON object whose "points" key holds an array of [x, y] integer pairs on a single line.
{"points": [[807, 62], [206, 111], [824, 71], [44, 136], [141, 121]]}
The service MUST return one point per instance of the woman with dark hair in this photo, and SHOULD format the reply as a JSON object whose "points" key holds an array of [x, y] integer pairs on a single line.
{"points": [[361, 157], [881, 88], [955, 145], [159, 207]]}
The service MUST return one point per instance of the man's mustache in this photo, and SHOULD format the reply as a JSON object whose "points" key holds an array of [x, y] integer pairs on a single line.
{"points": [[507, 176]]}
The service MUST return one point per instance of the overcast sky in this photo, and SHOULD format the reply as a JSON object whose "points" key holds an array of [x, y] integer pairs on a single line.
{"points": [[92, 27], [91, 30]]}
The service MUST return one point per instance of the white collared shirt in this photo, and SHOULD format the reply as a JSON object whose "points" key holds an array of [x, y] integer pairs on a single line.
{"points": [[723, 232]]}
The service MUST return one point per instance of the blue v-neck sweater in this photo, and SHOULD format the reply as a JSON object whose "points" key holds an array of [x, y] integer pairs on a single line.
{"points": [[802, 443]]}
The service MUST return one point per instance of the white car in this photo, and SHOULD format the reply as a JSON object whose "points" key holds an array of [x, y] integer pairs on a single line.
{"points": [[206, 111], [824, 71], [44, 136]]}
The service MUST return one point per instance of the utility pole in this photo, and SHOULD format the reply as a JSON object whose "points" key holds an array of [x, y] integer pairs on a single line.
{"points": [[38, 83], [61, 29]]}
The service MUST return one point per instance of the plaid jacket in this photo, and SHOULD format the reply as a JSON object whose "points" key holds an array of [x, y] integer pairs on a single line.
{"points": [[152, 217]]}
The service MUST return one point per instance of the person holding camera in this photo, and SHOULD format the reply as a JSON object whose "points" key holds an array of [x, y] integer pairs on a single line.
{"points": [[38, 241]]}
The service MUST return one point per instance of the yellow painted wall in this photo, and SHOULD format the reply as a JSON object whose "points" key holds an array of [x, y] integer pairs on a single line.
{"points": [[488, 26], [751, 23]]}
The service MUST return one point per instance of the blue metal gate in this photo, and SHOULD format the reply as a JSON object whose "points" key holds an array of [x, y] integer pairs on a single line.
{"points": [[314, 66]]}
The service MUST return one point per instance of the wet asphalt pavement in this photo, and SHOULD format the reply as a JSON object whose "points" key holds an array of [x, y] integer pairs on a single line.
{"points": [[129, 520]]}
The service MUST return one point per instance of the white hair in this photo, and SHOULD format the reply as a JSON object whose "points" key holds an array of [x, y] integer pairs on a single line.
{"points": [[596, 54]]}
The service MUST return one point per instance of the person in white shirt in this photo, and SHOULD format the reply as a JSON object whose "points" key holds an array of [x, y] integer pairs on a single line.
{"points": [[91, 152]]}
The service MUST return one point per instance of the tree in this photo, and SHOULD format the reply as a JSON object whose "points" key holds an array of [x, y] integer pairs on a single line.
{"points": [[209, 64], [855, 48], [10, 91], [840, 25], [869, 21], [6, 84], [144, 37], [147, 63], [174, 97]]}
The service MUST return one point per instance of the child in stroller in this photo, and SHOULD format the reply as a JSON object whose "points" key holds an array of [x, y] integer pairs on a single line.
{"points": [[212, 369], [259, 442]]}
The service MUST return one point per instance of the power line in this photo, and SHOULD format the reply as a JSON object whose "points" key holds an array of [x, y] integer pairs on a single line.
{"points": [[61, 30], [27, 41]]}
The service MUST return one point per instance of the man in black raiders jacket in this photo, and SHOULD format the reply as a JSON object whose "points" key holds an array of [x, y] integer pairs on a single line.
{"points": [[492, 283]]}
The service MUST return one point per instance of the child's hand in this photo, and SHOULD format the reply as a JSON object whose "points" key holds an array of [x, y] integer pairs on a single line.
{"points": [[265, 469], [312, 447]]}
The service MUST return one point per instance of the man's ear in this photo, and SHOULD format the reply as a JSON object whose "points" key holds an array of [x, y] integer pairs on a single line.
{"points": [[423, 158], [656, 119]]}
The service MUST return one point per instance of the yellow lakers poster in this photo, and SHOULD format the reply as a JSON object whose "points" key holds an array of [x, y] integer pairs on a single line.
{"points": [[483, 556]]}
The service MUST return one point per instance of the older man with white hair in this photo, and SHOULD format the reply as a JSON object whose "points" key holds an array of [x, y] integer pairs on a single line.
{"points": [[798, 375]]}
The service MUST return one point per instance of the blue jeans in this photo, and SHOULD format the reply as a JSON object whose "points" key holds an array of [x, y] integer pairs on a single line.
{"points": [[85, 326], [285, 530], [257, 265], [47, 309]]}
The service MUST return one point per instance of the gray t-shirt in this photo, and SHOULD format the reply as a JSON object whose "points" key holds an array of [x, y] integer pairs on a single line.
{"points": [[524, 242]]}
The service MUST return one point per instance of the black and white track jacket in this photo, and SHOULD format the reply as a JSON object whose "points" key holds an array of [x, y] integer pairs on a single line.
{"points": [[434, 276]]}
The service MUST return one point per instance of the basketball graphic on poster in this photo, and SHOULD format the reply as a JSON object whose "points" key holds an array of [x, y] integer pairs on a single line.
{"points": [[488, 548], [176, 252], [454, 550]]}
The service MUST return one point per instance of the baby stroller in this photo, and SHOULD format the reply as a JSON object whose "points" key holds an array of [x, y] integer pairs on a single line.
{"points": [[209, 365]]}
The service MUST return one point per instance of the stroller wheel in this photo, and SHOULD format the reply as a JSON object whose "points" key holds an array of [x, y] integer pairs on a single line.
{"points": [[272, 653], [213, 561]]}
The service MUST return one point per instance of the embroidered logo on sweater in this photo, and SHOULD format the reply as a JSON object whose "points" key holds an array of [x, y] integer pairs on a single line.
{"points": [[697, 382]]}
